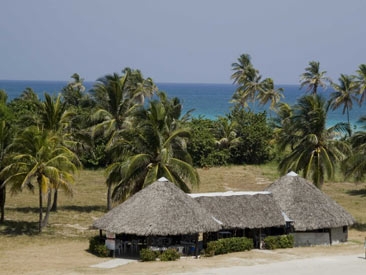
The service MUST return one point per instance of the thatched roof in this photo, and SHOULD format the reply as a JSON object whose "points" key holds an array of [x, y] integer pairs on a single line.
{"points": [[306, 205], [239, 210], [159, 209]]}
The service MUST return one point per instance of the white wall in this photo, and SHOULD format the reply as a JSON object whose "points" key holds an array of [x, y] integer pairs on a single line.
{"points": [[321, 238], [338, 235], [310, 238]]}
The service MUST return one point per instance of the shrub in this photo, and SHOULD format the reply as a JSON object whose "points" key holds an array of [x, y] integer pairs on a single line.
{"points": [[97, 247], [283, 241], [169, 255], [148, 255], [228, 245]]}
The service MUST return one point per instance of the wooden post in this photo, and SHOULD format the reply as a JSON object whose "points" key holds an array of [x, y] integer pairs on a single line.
{"points": [[260, 238], [330, 236], [196, 247]]}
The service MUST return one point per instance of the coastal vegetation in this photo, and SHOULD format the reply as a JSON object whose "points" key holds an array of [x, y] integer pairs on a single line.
{"points": [[135, 134]]}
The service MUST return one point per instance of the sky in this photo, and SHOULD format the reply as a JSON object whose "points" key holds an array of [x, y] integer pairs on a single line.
{"points": [[190, 41]]}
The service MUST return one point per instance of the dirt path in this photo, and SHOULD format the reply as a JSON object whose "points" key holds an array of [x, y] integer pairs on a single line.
{"points": [[71, 257]]}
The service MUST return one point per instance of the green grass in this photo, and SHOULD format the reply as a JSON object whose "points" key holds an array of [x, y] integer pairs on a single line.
{"points": [[77, 213]]}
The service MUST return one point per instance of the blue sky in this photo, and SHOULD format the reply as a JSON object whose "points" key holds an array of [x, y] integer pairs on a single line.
{"points": [[179, 41]]}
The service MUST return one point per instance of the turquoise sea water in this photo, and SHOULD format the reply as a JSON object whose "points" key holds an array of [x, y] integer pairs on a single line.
{"points": [[208, 100]]}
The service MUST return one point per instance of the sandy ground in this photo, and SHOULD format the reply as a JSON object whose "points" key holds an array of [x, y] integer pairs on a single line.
{"points": [[354, 264], [71, 257]]}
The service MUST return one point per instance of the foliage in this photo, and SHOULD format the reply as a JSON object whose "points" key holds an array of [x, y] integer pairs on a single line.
{"points": [[156, 148], [254, 136], [97, 247], [275, 242], [26, 109], [354, 166], [169, 255], [344, 94], [148, 255], [202, 144], [315, 150], [228, 245], [313, 78], [39, 157], [250, 86]]}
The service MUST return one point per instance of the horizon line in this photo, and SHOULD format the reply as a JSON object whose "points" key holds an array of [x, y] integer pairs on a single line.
{"points": [[157, 82]]}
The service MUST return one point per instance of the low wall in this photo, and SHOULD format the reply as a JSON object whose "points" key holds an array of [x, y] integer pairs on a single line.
{"points": [[311, 238], [339, 235]]}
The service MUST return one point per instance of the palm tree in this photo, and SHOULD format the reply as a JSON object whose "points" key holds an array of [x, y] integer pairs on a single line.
{"points": [[73, 92], [240, 69], [225, 132], [270, 93], [39, 158], [118, 97], [315, 149], [313, 78], [283, 127], [344, 94], [55, 117], [361, 82], [248, 80], [158, 149], [355, 165], [5, 141]]}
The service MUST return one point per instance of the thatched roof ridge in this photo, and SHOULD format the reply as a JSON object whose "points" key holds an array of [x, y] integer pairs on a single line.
{"points": [[159, 209], [242, 210], [307, 206]]}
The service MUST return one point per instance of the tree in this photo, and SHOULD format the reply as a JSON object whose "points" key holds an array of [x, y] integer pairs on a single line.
{"points": [[39, 158], [313, 78], [269, 93], [241, 68], [250, 86], [225, 132], [355, 165], [118, 97], [315, 149], [158, 149], [73, 92], [6, 135], [202, 144], [253, 137], [361, 82], [55, 117], [26, 109], [344, 94]]}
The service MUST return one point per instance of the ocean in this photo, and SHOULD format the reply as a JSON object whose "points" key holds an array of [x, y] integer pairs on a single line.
{"points": [[207, 100]]}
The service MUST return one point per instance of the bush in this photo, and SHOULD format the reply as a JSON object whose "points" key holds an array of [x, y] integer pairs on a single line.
{"points": [[228, 245], [97, 247], [148, 255], [275, 242], [169, 255]]}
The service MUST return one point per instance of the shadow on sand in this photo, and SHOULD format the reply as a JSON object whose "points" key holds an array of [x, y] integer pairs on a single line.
{"points": [[361, 192], [15, 228]]}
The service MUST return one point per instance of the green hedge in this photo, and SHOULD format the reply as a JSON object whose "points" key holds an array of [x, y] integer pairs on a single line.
{"points": [[97, 247], [169, 255], [283, 241], [228, 245], [146, 254]]}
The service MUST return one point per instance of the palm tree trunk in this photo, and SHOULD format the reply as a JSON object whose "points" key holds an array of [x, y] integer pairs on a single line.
{"points": [[49, 201], [109, 197], [2, 203], [40, 207], [349, 123], [55, 197]]}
